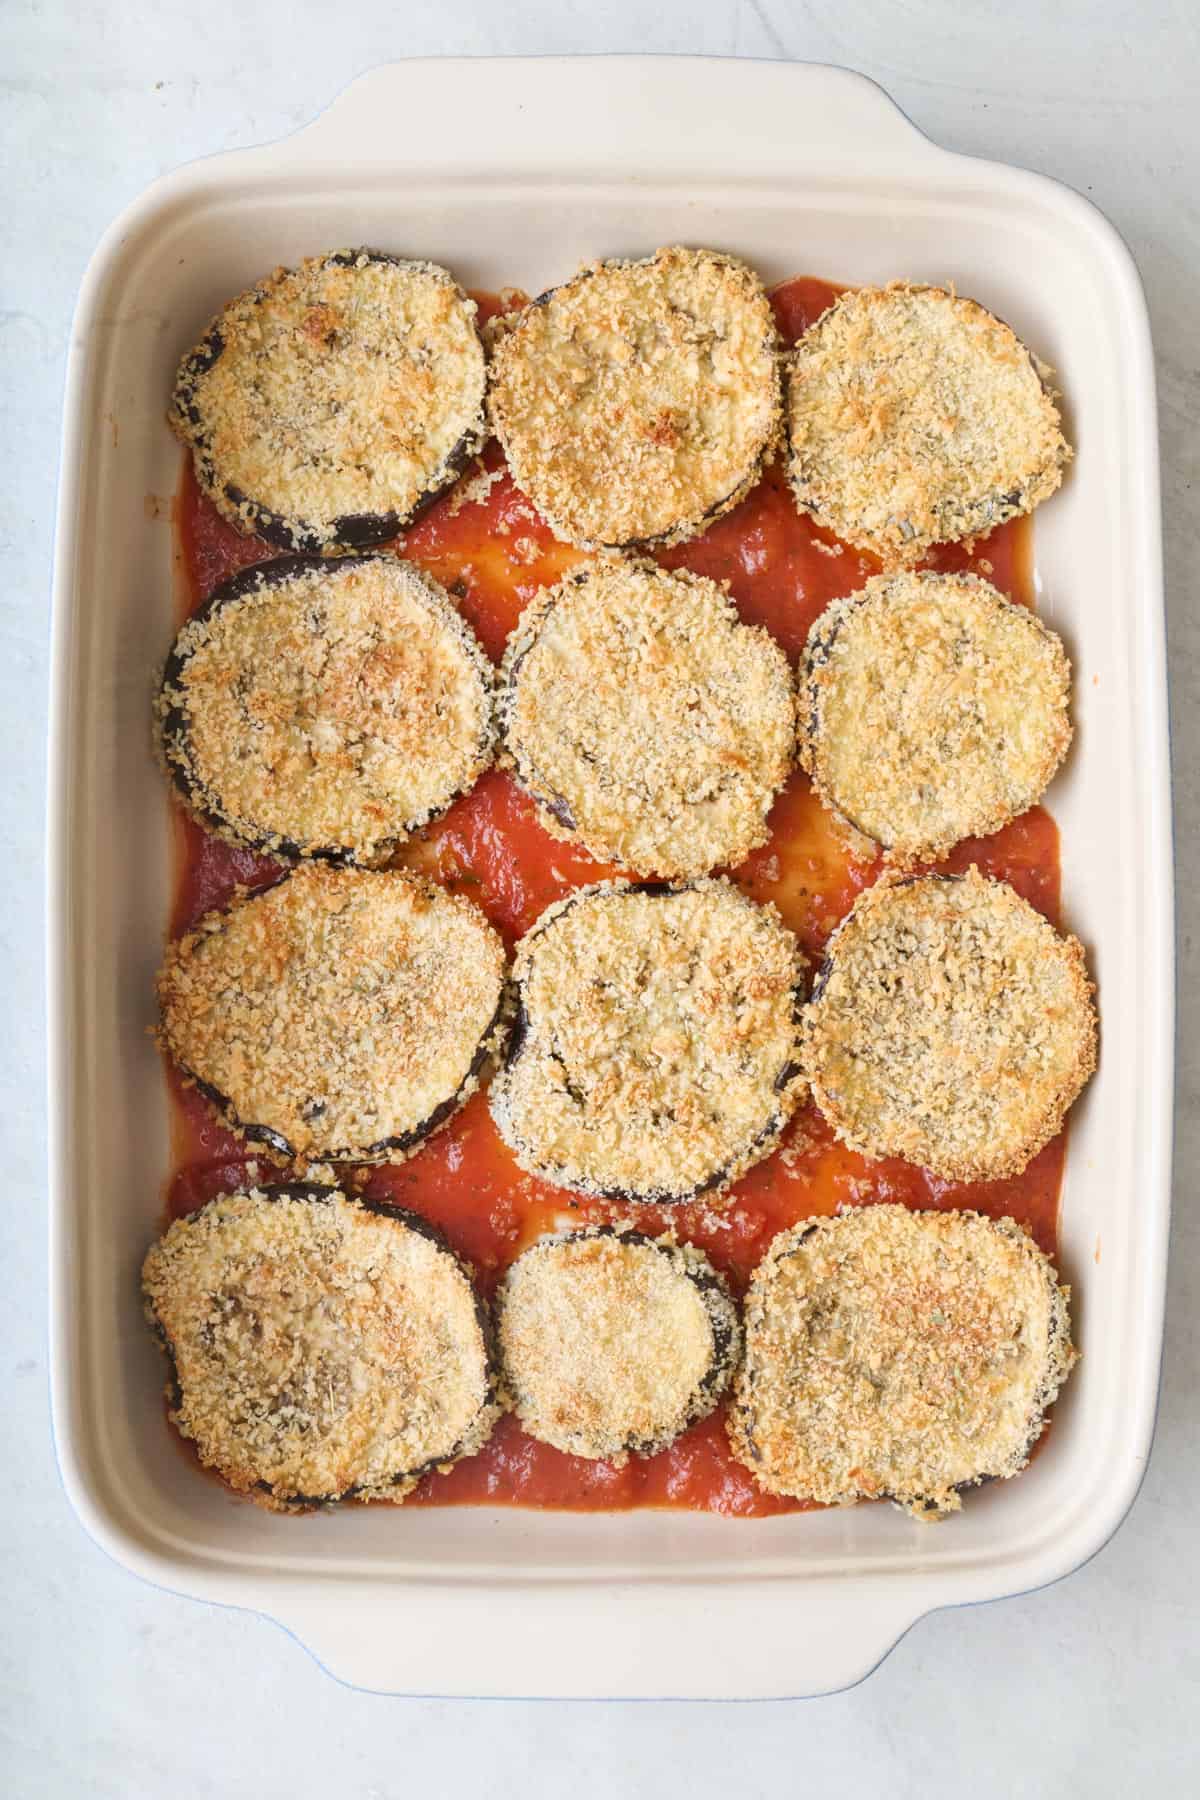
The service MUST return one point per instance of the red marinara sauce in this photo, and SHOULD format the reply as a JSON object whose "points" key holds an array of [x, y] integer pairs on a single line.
{"points": [[485, 543]]}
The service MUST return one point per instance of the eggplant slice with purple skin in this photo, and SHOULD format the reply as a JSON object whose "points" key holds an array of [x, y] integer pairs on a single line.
{"points": [[914, 418], [325, 707], [341, 1015], [655, 1052], [933, 709], [646, 719], [898, 1355], [278, 1312], [950, 1024], [330, 403], [636, 402], [613, 1343]]}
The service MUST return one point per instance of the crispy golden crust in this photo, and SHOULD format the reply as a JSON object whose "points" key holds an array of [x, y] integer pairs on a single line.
{"points": [[932, 709], [328, 402], [316, 1015], [898, 1354], [655, 1052], [951, 1025], [648, 721], [917, 418], [325, 708], [636, 402], [319, 1349], [612, 1344]]}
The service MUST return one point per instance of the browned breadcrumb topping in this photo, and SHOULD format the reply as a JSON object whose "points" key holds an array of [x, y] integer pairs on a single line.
{"points": [[636, 401], [612, 1344], [898, 1354], [648, 721], [318, 1349], [917, 418], [348, 389], [951, 1025], [341, 1014], [655, 1053], [326, 707], [932, 709]]}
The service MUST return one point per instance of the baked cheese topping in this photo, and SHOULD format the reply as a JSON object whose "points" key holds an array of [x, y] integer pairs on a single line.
{"points": [[951, 1025], [932, 709], [917, 418], [898, 1354], [326, 707], [655, 1054], [327, 402], [318, 1349], [612, 1343], [636, 401], [341, 1014], [649, 722]]}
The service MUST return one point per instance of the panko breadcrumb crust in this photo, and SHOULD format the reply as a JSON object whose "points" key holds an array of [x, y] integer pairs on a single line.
{"points": [[341, 1014], [612, 1343], [319, 1348], [328, 403], [649, 723], [655, 1052], [636, 402], [950, 1025], [897, 1354], [325, 708], [932, 709], [914, 418]]}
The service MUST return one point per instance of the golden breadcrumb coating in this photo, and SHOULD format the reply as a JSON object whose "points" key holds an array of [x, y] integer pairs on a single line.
{"points": [[898, 1354], [316, 1015], [951, 1025], [318, 1348], [932, 709], [655, 1052], [636, 401], [612, 1343], [917, 418], [326, 403], [648, 721], [319, 707]]}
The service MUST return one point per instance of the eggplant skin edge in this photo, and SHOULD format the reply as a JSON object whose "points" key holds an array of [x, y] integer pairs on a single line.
{"points": [[756, 1151], [172, 737], [262, 1493], [721, 1308], [350, 531], [387, 1150]]}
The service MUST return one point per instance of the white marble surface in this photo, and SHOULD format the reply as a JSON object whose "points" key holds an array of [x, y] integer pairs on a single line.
{"points": [[109, 1688]]}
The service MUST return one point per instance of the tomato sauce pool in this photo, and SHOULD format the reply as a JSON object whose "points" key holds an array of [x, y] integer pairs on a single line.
{"points": [[485, 543]]}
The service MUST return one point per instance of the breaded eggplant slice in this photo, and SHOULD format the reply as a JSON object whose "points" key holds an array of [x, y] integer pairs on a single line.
{"points": [[612, 1343], [900, 1355], [318, 707], [341, 1015], [649, 723], [931, 709], [327, 404], [951, 1025], [655, 1054], [916, 418], [636, 402], [320, 1349]]}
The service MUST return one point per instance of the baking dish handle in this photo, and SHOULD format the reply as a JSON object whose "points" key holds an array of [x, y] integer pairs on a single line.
{"points": [[757, 1639], [633, 117]]}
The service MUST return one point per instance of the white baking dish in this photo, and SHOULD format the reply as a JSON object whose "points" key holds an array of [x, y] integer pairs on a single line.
{"points": [[513, 172]]}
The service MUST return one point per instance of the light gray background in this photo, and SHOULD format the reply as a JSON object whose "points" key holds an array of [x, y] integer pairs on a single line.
{"points": [[112, 1689]]}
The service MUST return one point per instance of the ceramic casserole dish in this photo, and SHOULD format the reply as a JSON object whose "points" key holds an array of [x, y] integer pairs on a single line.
{"points": [[798, 169]]}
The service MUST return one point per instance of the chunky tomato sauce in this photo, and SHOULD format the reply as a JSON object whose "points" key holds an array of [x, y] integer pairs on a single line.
{"points": [[487, 545]]}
